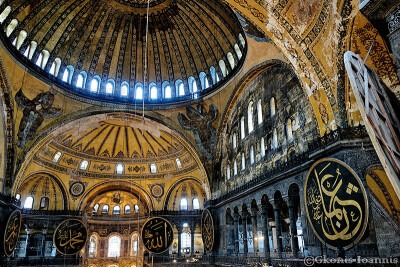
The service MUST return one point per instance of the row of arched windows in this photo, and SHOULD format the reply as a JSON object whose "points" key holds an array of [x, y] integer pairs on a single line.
{"points": [[183, 204], [119, 168], [116, 209], [114, 246], [250, 127], [28, 203], [94, 83]]}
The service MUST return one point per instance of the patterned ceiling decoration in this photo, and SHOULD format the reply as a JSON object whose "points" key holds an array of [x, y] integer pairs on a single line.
{"points": [[73, 42], [43, 186], [112, 139]]}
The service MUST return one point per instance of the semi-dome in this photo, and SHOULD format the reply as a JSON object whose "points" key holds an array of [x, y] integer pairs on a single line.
{"points": [[97, 49]]}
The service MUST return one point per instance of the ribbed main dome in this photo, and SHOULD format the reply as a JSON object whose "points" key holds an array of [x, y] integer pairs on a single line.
{"points": [[98, 48]]}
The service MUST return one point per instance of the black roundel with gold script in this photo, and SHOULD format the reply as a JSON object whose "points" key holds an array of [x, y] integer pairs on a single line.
{"points": [[207, 230], [11, 234], [157, 235], [336, 203], [70, 237]]}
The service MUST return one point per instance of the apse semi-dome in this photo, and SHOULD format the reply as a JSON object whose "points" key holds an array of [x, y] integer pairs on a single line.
{"points": [[97, 48]]}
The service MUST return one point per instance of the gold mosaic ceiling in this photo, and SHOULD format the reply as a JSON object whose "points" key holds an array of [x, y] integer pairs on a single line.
{"points": [[119, 138], [187, 41]]}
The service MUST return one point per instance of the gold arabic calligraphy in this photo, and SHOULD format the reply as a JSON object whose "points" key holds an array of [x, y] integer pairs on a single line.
{"points": [[338, 218], [208, 231], [157, 237], [12, 233]]}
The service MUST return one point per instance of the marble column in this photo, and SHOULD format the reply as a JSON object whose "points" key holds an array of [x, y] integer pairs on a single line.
{"points": [[264, 213], [254, 228], [180, 228], [44, 243], [236, 232], [293, 228], [193, 229], [244, 224], [277, 213], [28, 239]]}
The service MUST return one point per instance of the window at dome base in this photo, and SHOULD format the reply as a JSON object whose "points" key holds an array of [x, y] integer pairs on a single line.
{"points": [[191, 74]]}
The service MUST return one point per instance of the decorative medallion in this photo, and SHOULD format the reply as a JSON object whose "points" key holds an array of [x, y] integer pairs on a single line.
{"points": [[70, 237], [11, 234], [76, 189], [157, 190], [157, 235], [336, 203], [207, 230]]}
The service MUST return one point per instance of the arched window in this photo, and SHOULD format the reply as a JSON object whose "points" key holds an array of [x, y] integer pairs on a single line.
{"points": [[39, 60], [96, 208], [234, 141], [135, 244], [203, 81], [28, 204], [21, 38], [105, 209], [94, 86], [252, 155], [183, 204], [259, 112], [250, 123], [26, 53], [5, 14], [136, 208], [153, 91], [124, 89], [18, 196], [92, 246], [80, 81], [116, 210], [196, 204], [57, 157], [289, 129], [231, 60], [44, 203], [193, 86], [153, 168], [222, 66], [238, 52], [55, 67], [65, 77], [178, 163], [185, 240], [168, 92], [139, 93], [109, 88], [274, 139], [114, 246], [32, 49], [213, 74], [84, 165], [242, 128], [262, 147], [272, 104], [119, 169], [11, 27], [127, 209], [180, 88], [243, 162], [228, 173], [242, 41], [234, 168]]}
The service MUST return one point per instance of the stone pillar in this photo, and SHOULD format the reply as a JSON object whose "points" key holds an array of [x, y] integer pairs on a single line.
{"points": [[293, 228], [180, 228], [44, 242], [193, 229], [254, 228], [28, 239], [236, 232], [244, 223], [277, 213], [264, 213]]}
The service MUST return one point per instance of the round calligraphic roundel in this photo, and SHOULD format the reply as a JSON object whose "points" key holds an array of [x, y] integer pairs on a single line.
{"points": [[207, 230], [157, 191], [157, 235], [11, 234], [70, 237], [77, 189], [336, 203]]}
